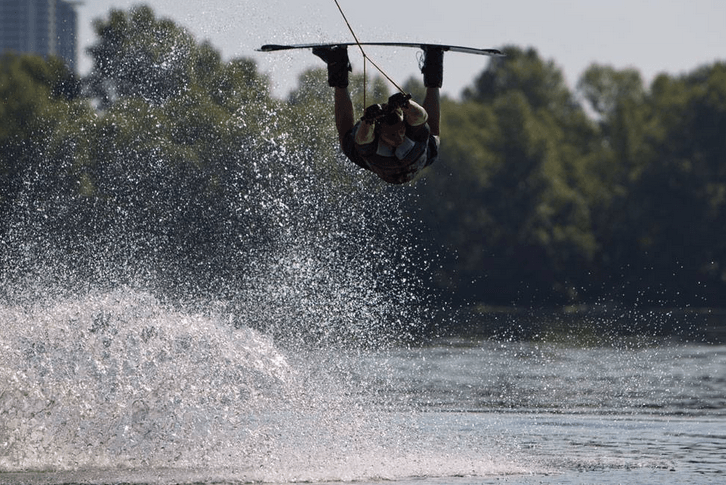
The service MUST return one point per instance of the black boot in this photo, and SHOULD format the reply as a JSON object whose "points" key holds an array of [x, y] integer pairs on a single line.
{"points": [[432, 66], [336, 58]]}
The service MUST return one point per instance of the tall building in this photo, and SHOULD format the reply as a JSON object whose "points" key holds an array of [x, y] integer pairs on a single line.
{"points": [[43, 27]]}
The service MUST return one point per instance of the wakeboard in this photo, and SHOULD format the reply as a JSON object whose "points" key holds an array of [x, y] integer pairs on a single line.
{"points": [[424, 46]]}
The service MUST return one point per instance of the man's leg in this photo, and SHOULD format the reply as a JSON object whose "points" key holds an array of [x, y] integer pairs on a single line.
{"points": [[344, 114], [432, 105], [336, 58], [433, 76]]}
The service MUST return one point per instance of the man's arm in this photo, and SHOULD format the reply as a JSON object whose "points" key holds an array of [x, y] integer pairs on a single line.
{"points": [[365, 133]]}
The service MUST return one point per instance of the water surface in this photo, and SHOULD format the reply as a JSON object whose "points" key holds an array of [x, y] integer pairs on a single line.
{"points": [[118, 388]]}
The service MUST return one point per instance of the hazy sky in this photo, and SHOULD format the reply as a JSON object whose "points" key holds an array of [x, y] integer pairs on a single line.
{"points": [[654, 36]]}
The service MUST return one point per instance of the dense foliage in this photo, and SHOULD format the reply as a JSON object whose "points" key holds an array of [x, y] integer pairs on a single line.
{"points": [[614, 191], [541, 195]]}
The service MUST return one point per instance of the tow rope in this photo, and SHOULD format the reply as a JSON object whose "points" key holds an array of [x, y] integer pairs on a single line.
{"points": [[366, 58]]}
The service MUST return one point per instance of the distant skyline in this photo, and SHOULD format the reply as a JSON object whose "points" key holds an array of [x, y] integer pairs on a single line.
{"points": [[43, 27], [666, 36]]}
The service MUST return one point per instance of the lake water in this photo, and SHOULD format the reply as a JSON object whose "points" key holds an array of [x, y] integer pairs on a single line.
{"points": [[119, 388]]}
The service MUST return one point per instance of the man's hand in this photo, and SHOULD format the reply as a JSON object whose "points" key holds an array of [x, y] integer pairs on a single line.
{"points": [[398, 100], [373, 113]]}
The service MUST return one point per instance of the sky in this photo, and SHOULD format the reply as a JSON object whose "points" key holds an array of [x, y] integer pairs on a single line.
{"points": [[652, 36]]}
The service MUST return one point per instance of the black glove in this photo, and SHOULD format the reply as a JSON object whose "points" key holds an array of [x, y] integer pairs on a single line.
{"points": [[373, 113], [398, 100]]}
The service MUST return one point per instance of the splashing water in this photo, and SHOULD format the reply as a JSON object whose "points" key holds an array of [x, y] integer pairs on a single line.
{"points": [[188, 323], [120, 381], [117, 379], [121, 352]]}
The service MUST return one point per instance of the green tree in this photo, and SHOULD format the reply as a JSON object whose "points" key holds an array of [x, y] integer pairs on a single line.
{"points": [[523, 70], [157, 179], [660, 157], [37, 98], [619, 101], [140, 55], [681, 193], [511, 185]]}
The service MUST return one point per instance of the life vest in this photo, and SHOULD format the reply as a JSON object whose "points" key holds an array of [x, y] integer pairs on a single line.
{"points": [[399, 166]]}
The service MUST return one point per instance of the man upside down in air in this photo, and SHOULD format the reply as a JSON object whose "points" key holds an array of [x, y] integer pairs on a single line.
{"points": [[395, 140]]}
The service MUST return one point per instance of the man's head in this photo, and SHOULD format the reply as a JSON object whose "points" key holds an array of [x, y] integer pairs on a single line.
{"points": [[392, 128]]}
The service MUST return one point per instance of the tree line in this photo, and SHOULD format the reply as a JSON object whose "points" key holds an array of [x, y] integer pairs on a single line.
{"points": [[181, 169], [616, 190]]}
